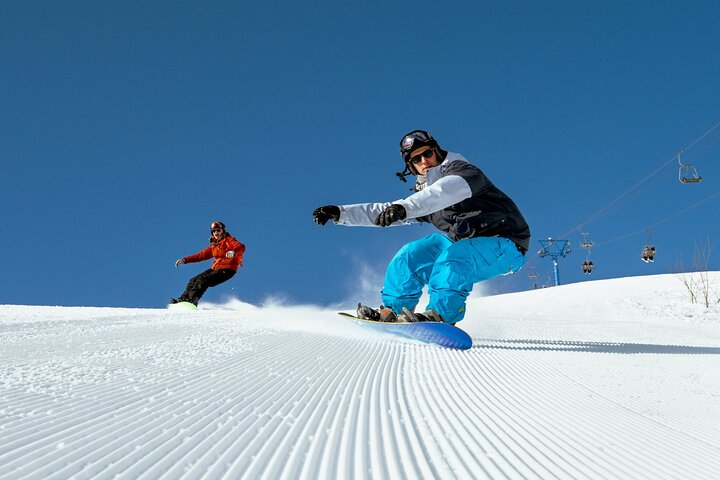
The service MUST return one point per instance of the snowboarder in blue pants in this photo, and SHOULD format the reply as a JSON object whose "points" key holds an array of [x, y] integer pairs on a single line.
{"points": [[484, 233]]}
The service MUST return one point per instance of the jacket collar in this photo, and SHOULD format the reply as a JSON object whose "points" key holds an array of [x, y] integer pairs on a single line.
{"points": [[435, 173]]}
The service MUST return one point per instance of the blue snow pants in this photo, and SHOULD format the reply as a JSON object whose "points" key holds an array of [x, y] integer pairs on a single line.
{"points": [[449, 269]]}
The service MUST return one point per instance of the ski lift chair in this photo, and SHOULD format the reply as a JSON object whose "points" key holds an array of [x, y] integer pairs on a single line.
{"points": [[586, 243], [648, 254], [693, 176], [687, 173], [587, 267]]}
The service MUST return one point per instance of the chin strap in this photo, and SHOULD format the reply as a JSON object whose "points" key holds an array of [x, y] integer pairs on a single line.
{"points": [[212, 238], [441, 154], [404, 173]]}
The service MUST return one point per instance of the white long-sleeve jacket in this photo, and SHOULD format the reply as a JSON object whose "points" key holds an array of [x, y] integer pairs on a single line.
{"points": [[439, 193], [458, 199]]}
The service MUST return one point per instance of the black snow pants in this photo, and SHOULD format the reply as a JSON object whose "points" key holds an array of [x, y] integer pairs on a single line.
{"points": [[197, 285]]}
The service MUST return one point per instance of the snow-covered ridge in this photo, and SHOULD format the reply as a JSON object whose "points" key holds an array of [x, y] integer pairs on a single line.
{"points": [[605, 379]]}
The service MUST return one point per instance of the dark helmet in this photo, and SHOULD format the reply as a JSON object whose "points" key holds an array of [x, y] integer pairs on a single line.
{"points": [[216, 226], [411, 142], [414, 140]]}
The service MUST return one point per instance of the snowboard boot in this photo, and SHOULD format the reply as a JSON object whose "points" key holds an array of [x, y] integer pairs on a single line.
{"points": [[174, 300], [430, 316], [427, 316], [383, 314]]}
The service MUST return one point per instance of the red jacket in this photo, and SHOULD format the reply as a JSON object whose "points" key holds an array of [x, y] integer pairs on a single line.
{"points": [[218, 251]]}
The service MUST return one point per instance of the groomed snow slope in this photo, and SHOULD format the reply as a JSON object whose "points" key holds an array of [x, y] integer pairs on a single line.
{"points": [[609, 379]]}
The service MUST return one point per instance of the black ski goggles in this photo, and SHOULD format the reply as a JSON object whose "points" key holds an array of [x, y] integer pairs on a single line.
{"points": [[407, 142], [418, 158]]}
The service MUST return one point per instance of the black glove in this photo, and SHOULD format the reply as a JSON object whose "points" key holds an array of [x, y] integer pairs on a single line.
{"points": [[390, 215], [323, 214]]}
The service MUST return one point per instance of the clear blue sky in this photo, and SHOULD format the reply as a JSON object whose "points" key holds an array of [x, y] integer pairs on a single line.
{"points": [[127, 127]]}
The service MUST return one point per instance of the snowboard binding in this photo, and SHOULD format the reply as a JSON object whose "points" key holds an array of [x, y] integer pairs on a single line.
{"points": [[383, 314], [386, 314]]}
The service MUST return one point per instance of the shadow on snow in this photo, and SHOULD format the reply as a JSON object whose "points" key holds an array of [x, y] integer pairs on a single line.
{"points": [[594, 347]]}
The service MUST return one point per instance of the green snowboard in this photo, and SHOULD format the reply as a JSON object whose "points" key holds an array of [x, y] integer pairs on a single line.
{"points": [[182, 306]]}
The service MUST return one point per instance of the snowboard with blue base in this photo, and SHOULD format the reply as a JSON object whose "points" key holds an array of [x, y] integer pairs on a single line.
{"points": [[437, 333]]}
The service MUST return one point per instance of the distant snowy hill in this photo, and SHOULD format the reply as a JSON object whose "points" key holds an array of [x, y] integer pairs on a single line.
{"points": [[615, 379]]}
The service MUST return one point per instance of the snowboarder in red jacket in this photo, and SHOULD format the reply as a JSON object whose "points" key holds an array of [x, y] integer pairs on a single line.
{"points": [[227, 252]]}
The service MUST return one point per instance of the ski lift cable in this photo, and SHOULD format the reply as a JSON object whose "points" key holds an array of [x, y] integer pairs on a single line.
{"points": [[660, 222], [531, 263], [699, 139], [628, 192], [633, 188]]}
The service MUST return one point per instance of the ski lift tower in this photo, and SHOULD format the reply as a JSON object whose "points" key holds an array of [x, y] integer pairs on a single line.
{"points": [[555, 249]]}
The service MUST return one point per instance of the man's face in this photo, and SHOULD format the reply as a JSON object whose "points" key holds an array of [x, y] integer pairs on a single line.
{"points": [[423, 159]]}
